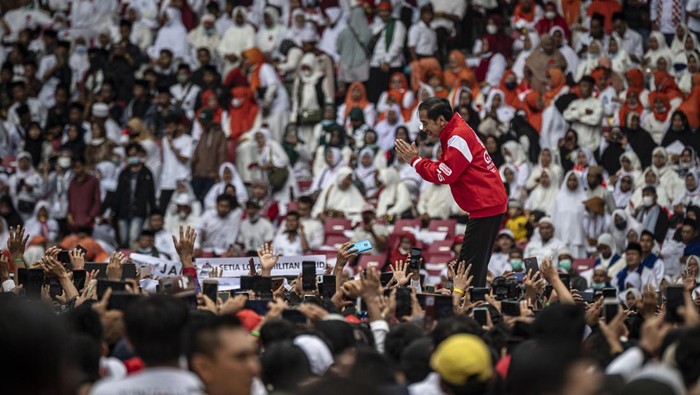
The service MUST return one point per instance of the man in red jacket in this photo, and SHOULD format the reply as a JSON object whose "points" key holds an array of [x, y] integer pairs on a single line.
{"points": [[469, 171]]}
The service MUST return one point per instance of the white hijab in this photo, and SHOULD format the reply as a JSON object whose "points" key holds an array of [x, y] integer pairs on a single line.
{"points": [[504, 112], [173, 36], [568, 211], [268, 38], [661, 51]]}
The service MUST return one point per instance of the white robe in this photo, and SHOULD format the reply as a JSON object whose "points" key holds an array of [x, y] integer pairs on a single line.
{"points": [[567, 215]]}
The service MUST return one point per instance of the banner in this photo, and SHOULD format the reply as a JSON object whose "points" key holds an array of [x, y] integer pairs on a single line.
{"points": [[236, 267], [160, 268]]}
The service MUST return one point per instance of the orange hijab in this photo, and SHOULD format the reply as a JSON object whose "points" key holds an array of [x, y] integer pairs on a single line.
{"points": [[453, 78], [242, 118], [519, 13], [635, 79], [534, 109], [666, 84], [218, 111], [397, 95], [349, 103], [440, 90], [626, 110], [511, 95], [571, 10], [557, 81], [256, 59], [660, 116], [691, 105]]}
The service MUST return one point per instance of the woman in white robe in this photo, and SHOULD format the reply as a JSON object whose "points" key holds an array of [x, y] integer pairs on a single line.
{"points": [[542, 197], [394, 198], [227, 175], [271, 154], [173, 36], [548, 160], [366, 172], [270, 34], [340, 197], [657, 49], [568, 213]]}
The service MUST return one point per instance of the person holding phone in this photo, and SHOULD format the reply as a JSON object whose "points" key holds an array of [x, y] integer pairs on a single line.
{"points": [[471, 174]]}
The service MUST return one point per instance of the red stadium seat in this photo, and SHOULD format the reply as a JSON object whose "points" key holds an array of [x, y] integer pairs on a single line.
{"points": [[377, 261], [406, 225], [437, 258], [336, 226], [440, 247], [581, 265], [443, 225], [336, 241]]}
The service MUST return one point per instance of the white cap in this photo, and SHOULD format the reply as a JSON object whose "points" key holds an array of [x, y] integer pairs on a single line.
{"points": [[100, 110], [208, 18], [183, 199], [308, 35]]}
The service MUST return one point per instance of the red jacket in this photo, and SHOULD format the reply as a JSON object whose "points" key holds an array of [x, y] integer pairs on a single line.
{"points": [[466, 166]]}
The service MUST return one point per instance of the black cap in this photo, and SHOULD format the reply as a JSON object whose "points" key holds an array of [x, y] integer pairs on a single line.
{"points": [[252, 203]]}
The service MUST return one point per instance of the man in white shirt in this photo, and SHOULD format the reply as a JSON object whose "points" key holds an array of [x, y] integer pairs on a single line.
{"points": [[154, 327], [313, 228], [19, 97], [633, 257], [293, 241], [693, 11], [448, 13], [185, 92], [217, 230], [631, 41], [665, 15], [423, 45], [183, 216], [163, 240], [255, 229], [177, 152], [547, 244], [387, 57], [585, 115]]}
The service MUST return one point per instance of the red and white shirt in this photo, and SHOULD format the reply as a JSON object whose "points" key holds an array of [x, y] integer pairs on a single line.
{"points": [[468, 169]]}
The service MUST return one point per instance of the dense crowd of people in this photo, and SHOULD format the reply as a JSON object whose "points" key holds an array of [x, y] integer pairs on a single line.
{"points": [[253, 123]]}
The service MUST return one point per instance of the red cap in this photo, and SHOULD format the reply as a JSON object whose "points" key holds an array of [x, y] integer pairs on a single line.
{"points": [[249, 319], [384, 5]]}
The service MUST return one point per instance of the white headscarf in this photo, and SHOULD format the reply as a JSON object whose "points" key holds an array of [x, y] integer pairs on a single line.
{"points": [[350, 201], [568, 212], [108, 178], [268, 38], [623, 198], [620, 235], [504, 112], [661, 51], [173, 36], [542, 198], [317, 352]]}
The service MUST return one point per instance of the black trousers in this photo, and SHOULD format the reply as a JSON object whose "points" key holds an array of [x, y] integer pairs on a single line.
{"points": [[378, 82], [478, 244]]}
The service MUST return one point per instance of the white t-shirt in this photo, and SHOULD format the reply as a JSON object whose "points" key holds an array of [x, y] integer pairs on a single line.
{"points": [[288, 248], [169, 381], [693, 23], [173, 169], [253, 235]]}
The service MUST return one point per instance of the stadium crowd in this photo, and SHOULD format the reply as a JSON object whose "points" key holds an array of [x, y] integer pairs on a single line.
{"points": [[241, 124]]}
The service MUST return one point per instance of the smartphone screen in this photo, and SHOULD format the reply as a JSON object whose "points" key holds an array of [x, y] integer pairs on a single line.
{"points": [[122, 300], [384, 278], [416, 253], [566, 279], [31, 281], [103, 285], [481, 315], [362, 246], [587, 297], [64, 257], [531, 264], [308, 275], [609, 293], [258, 306], [443, 307], [210, 289], [404, 306], [328, 287], [128, 271], [478, 294], [246, 283], [610, 308], [674, 300], [519, 276], [510, 308], [79, 277]]}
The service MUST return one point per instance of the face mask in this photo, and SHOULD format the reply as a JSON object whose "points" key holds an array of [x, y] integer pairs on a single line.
{"points": [[133, 160], [684, 165], [306, 72], [144, 250], [491, 29], [181, 78], [592, 56], [565, 264], [598, 285], [236, 102], [254, 218], [508, 159], [81, 49], [621, 225], [209, 32], [550, 15], [648, 201], [678, 67], [64, 162], [182, 215], [516, 264], [511, 85]]}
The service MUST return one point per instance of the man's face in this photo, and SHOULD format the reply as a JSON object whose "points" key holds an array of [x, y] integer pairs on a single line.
{"points": [[633, 257], [304, 210], [687, 233], [203, 56], [596, 28], [156, 223], [599, 276], [592, 180], [259, 191], [223, 208], [604, 250], [585, 89], [146, 242], [384, 14], [431, 127], [546, 231], [647, 242], [619, 27], [251, 211], [233, 366]]}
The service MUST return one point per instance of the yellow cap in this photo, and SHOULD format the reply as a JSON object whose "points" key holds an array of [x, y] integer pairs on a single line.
{"points": [[460, 357]]}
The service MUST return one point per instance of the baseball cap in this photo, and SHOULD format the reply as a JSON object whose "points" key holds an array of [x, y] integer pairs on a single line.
{"points": [[461, 357]]}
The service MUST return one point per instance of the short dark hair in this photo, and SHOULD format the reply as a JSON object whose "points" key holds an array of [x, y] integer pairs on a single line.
{"points": [[436, 107], [398, 338], [455, 325], [646, 233], [154, 326], [202, 332], [306, 200], [649, 188], [618, 16], [276, 330], [284, 366], [587, 78], [225, 197], [85, 320]]}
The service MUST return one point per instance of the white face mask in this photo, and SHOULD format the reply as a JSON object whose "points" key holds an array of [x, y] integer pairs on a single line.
{"points": [[236, 102], [491, 29], [306, 72], [648, 201], [550, 15]]}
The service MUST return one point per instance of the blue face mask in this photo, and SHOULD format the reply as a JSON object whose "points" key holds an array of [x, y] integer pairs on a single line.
{"points": [[516, 264], [678, 67], [133, 160], [598, 285], [511, 85]]}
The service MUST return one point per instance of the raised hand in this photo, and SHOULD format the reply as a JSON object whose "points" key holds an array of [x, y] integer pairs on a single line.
{"points": [[344, 254], [17, 242], [462, 279], [53, 267], [4, 268], [77, 258], [549, 271], [114, 267], [399, 269], [233, 305], [185, 245], [370, 283], [268, 258]]}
